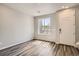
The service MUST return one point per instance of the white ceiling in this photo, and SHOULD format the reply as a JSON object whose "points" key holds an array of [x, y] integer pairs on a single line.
{"points": [[33, 8]]}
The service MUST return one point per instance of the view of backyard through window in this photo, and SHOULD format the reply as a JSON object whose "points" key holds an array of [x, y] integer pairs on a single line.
{"points": [[44, 25]]}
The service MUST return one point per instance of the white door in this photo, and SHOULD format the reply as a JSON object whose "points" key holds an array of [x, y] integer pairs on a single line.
{"points": [[67, 26]]}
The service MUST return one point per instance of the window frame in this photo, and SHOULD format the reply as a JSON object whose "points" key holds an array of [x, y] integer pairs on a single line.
{"points": [[39, 19]]}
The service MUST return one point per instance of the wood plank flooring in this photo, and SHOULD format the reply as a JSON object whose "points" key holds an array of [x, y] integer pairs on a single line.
{"points": [[40, 48]]}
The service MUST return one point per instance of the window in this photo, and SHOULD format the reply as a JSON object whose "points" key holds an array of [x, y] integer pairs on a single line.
{"points": [[44, 25]]}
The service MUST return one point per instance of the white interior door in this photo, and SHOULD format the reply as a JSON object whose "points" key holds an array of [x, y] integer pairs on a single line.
{"points": [[67, 26]]}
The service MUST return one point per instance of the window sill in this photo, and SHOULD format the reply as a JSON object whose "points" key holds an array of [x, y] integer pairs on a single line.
{"points": [[43, 34]]}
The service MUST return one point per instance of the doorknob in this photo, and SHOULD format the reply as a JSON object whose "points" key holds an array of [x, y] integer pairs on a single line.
{"points": [[59, 30]]}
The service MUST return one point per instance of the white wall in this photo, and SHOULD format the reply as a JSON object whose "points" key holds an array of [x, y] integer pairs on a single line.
{"points": [[77, 26], [15, 27], [53, 37]]}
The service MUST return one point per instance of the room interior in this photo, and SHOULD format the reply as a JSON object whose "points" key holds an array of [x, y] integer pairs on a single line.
{"points": [[39, 29]]}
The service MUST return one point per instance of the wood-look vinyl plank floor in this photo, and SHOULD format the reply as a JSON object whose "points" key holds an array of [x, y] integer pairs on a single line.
{"points": [[40, 48]]}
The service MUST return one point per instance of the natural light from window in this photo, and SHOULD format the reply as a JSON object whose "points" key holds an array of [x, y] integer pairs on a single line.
{"points": [[44, 25]]}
